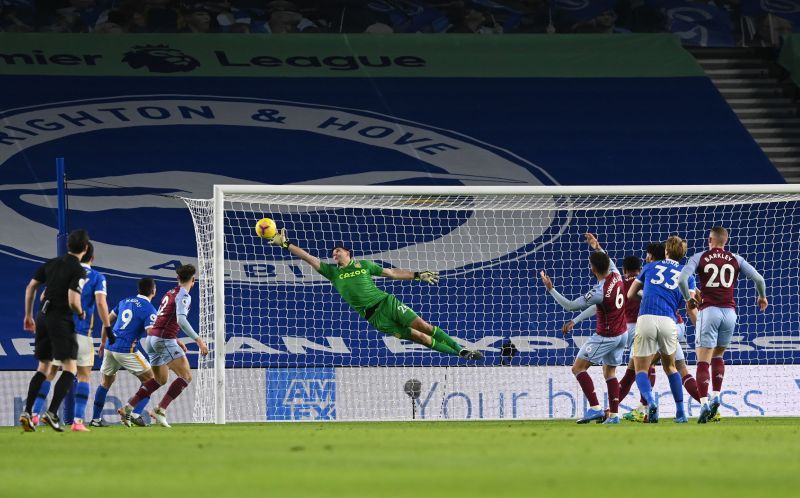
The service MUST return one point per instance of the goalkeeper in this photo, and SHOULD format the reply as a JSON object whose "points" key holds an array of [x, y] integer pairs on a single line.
{"points": [[353, 280]]}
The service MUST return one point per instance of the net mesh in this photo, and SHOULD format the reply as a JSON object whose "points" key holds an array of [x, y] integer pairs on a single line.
{"points": [[295, 350]]}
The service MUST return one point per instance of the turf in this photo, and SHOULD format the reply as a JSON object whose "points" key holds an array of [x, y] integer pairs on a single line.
{"points": [[737, 457]]}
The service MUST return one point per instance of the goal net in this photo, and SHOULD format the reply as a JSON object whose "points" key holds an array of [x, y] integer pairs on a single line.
{"points": [[294, 350]]}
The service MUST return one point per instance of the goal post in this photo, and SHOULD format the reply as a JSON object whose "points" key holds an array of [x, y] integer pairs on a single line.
{"points": [[295, 351]]}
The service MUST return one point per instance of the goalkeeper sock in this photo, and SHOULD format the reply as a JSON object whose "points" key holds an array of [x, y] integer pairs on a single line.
{"points": [[442, 347], [441, 336]]}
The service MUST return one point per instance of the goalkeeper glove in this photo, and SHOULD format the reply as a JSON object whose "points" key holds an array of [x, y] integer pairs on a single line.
{"points": [[430, 277], [281, 239], [110, 337]]}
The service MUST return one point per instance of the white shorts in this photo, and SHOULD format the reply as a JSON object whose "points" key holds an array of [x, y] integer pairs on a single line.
{"points": [[85, 352], [653, 334], [134, 362]]}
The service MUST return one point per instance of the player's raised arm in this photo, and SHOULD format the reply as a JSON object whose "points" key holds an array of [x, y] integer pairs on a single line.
{"points": [[430, 277], [592, 298], [591, 239], [281, 239]]}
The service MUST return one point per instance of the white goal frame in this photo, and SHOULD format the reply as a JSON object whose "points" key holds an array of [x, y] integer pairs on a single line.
{"points": [[222, 191]]}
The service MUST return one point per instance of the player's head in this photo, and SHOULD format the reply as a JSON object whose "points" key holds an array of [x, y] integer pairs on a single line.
{"points": [[675, 248], [342, 255], [655, 252], [600, 263], [77, 241], [632, 264], [718, 237], [88, 256], [147, 287], [186, 274]]}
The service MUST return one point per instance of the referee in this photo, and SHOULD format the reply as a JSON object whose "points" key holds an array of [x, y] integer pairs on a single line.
{"points": [[54, 327]]}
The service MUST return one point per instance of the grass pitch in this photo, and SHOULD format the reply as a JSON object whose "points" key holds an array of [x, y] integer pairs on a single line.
{"points": [[737, 457]]}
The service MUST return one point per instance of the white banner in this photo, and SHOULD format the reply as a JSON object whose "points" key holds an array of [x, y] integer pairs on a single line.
{"points": [[540, 393]]}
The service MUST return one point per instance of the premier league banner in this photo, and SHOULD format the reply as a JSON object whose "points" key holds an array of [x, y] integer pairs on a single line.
{"points": [[143, 118]]}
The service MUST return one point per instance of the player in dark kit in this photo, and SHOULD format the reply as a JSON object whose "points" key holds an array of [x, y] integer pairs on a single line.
{"points": [[607, 345], [54, 326], [718, 270]]}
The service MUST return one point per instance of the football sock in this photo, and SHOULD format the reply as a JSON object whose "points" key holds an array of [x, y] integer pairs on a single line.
{"points": [[144, 391], [175, 390], [140, 406], [69, 403], [702, 379], [613, 394], [587, 386], [717, 374], [81, 399], [441, 336], [677, 392], [99, 402], [691, 386], [33, 389], [63, 385], [626, 383], [442, 347], [643, 383], [41, 397]]}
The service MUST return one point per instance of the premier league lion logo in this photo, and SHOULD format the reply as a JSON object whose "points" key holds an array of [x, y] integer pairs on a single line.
{"points": [[160, 59]]}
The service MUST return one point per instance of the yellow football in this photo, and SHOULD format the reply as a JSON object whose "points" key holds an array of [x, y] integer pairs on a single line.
{"points": [[265, 228]]}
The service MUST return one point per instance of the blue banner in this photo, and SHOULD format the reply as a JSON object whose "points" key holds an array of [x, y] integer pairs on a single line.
{"points": [[582, 10], [698, 24]]}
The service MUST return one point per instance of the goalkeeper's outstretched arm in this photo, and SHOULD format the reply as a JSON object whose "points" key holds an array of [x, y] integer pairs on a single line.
{"points": [[431, 277], [282, 239]]}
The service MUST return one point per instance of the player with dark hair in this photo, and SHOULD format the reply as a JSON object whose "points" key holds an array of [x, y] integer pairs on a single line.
{"points": [[166, 352], [54, 328], [133, 317], [656, 330], [606, 346], [718, 269], [352, 279]]}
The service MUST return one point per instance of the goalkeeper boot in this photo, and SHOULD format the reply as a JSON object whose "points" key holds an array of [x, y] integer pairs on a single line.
{"points": [[611, 420], [705, 412], [125, 415], [79, 426], [160, 416], [591, 415], [52, 420], [635, 415], [652, 413], [98, 422], [716, 418], [468, 354], [25, 420]]}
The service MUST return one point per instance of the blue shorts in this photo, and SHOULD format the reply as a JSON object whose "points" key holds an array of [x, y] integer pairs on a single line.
{"points": [[161, 351], [604, 350], [715, 327]]}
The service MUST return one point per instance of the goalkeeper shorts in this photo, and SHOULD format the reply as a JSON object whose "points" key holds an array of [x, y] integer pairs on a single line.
{"points": [[393, 317]]}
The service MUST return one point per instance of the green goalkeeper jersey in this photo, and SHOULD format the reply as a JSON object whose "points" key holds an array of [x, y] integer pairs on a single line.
{"points": [[354, 283]]}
